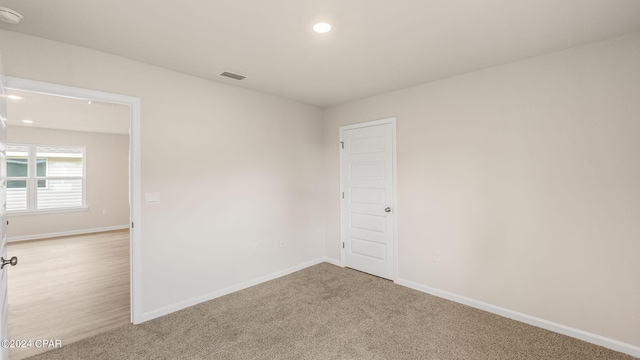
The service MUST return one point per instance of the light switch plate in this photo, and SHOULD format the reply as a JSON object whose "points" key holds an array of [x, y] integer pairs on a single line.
{"points": [[152, 198]]}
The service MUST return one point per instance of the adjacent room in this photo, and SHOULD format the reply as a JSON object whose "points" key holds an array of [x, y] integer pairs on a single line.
{"points": [[64, 154], [329, 179]]}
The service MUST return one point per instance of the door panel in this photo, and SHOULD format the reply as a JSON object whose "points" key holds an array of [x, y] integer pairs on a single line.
{"points": [[367, 180], [4, 333]]}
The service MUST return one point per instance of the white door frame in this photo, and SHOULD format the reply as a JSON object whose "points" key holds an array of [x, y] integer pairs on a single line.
{"points": [[394, 189], [134, 169]]}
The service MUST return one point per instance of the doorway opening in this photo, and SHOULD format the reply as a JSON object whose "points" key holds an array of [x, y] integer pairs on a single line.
{"points": [[68, 135]]}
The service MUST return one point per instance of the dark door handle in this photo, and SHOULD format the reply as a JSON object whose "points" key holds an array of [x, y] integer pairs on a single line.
{"points": [[13, 261], [387, 209]]}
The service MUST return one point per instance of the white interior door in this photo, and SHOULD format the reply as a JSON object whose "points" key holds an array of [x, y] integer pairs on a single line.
{"points": [[367, 174], [4, 332]]}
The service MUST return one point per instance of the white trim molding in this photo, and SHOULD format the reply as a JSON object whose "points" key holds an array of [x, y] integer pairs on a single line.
{"points": [[66, 233], [332, 261], [527, 319], [135, 189]]}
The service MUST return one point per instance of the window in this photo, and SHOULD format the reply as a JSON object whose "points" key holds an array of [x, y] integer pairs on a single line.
{"points": [[41, 178]]}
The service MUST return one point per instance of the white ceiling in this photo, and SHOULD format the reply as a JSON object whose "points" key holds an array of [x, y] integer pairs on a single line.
{"points": [[62, 113], [376, 45]]}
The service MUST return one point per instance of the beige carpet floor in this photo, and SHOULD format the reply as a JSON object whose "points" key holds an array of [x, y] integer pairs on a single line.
{"points": [[327, 312]]}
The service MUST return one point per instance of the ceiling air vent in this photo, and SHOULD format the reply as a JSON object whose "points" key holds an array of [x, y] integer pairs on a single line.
{"points": [[232, 75]]}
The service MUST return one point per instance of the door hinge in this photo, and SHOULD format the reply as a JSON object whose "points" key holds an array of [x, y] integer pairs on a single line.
{"points": [[343, 245], [342, 144], [132, 225], [343, 195]]}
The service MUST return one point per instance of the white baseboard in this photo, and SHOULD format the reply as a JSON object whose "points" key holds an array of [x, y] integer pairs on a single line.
{"points": [[527, 319], [149, 315], [66, 233], [332, 261]]}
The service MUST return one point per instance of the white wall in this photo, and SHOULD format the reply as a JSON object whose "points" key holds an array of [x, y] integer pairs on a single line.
{"points": [[233, 168], [526, 176], [107, 183]]}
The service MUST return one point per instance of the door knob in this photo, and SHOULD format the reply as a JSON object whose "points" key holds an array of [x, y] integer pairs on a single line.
{"points": [[13, 261], [388, 209]]}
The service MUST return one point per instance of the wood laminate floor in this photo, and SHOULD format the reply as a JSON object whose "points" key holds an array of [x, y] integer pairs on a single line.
{"points": [[68, 288]]}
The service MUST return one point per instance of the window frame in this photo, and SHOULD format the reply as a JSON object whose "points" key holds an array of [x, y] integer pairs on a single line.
{"points": [[25, 178], [32, 180]]}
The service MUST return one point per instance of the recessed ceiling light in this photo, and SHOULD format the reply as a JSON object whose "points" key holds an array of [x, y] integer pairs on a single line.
{"points": [[15, 97], [322, 28], [27, 121], [10, 16]]}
